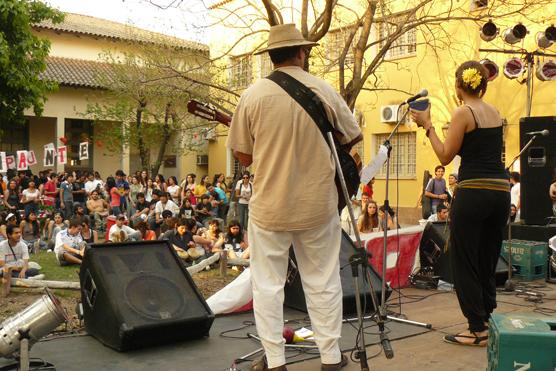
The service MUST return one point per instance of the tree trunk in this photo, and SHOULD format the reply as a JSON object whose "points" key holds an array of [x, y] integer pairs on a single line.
{"points": [[165, 139], [143, 152]]}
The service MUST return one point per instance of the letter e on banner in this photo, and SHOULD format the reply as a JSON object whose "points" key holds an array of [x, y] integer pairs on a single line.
{"points": [[62, 155], [22, 160], [49, 155], [84, 151], [3, 164], [10, 161], [31, 158]]}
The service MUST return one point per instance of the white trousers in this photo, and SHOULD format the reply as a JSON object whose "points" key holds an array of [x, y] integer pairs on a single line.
{"points": [[317, 252]]}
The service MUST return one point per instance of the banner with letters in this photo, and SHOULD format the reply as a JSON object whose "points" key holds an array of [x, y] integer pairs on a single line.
{"points": [[24, 159]]}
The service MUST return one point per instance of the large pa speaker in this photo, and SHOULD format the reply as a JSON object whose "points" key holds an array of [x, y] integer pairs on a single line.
{"points": [[537, 164], [434, 251], [140, 294], [295, 297]]}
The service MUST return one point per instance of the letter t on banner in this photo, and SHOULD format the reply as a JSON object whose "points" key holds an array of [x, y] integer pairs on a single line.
{"points": [[84, 151], [62, 155]]}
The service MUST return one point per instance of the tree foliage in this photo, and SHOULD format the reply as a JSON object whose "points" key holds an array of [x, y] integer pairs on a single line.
{"points": [[23, 58]]}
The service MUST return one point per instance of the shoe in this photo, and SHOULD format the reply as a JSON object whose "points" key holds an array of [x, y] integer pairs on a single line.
{"points": [[37, 277], [261, 365], [335, 366], [480, 341]]}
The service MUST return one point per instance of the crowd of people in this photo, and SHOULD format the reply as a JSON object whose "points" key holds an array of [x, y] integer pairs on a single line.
{"points": [[65, 212]]}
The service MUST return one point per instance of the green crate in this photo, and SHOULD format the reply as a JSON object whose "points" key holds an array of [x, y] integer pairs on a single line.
{"points": [[521, 341], [528, 258]]}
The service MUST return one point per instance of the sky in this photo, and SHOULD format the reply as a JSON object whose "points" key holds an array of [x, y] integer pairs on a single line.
{"points": [[184, 18]]}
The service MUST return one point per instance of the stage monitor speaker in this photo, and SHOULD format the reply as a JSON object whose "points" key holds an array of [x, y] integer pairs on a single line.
{"points": [[140, 294], [537, 165], [434, 251], [295, 297]]}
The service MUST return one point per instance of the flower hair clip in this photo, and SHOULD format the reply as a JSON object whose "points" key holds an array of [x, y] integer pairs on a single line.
{"points": [[472, 77]]}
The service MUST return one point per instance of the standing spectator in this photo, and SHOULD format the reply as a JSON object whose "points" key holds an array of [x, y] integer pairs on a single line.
{"points": [[452, 184], [31, 198], [244, 191], [515, 192], [115, 196], [201, 189], [14, 259], [221, 201], [66, 196], [174, 189], [436, 188], [79, 192], [144, 177], [135, 188], [69, 247], [51, 191], [149, 190], [11, 197], [368, 188], [123, 189], [87, 234], [188, 183], [91, 184], [220, 182], [159, 182]]}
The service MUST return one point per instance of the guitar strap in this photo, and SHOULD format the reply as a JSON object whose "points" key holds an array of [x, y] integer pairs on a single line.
{"points": [[306, 99]]}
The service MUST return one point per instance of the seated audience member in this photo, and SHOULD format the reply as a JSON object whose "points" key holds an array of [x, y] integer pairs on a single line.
{"points": [[146, 234], [142, 209], [204, 210], [368, 221], [391, 220], [30, 199], [164, 204], [98, 209], [55, 226], [214, 235], [10, 219], [186, 210], [89, 235], [78, 211], [168, 224], [182, 241], [119, 232], [14, 259], [513, 212], [31, 232], [441, 214], [235, 241], [69, 247]]}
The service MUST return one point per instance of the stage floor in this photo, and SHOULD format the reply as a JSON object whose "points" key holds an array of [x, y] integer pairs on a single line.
{"points": [[415, 348]]}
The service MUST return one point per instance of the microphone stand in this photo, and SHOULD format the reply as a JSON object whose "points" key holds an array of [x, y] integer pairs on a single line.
{"points": [[509, 285]]}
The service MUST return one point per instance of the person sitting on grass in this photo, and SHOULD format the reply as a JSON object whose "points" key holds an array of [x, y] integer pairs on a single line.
{"points": [[14, 259], [31, 232], [146, 234], [54, 227], [236, 241], [10, 219], [204, 209], [120, 232], [214, 235], [70, 247], [183, 241], [89, 235]]}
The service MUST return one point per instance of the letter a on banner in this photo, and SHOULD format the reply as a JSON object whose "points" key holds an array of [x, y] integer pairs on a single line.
{"points": [[49, 156], [31, 158], [84, 151], [22, 160], [62, 155], [3, 164], [10, 161]]}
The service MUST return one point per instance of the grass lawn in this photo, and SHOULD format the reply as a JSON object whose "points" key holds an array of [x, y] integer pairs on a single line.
{"points": [[52, 270]]}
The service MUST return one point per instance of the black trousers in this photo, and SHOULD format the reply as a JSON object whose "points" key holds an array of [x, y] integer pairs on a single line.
{"points": [[477, 220]]}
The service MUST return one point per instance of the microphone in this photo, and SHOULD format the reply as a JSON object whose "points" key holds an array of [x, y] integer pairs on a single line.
{"points": [[388, 352], [544, 132], [423, 93]]}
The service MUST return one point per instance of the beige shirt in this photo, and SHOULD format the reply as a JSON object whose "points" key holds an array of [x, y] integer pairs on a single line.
{"points": [[294, 177]]}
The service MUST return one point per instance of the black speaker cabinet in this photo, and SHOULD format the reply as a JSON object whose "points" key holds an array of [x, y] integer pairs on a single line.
{"points": [[295, 297], [537, 164], [140, 294], [434, 251]]}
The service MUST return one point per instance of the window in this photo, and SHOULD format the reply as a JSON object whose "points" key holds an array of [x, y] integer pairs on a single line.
{"points": [[78, 131], [405, 45], [240, 71], [14, 137], [265, 65], [402, 157], [336, 43]]}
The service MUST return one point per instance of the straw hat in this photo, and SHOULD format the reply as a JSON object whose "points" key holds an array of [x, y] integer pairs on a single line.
{"points": [[283, 36]]}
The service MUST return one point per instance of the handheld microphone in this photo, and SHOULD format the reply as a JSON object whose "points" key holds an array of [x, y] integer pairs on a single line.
{"points": [[421, 94], [388, 352], [544, 132]]}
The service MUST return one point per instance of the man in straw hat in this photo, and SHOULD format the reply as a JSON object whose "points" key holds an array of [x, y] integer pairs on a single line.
{"points": [[294, 199]]}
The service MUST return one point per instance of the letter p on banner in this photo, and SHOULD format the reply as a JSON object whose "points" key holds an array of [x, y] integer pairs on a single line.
{"points": [[84, 151]]}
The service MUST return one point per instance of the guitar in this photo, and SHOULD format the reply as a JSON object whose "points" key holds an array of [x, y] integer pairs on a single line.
{"points": [[350, 162]]}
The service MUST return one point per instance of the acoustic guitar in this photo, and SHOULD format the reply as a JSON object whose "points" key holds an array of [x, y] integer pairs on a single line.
{"points": [[350, 162]]}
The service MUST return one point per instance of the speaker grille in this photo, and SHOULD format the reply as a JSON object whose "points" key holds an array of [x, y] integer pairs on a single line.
{"points": [[154, 297]]}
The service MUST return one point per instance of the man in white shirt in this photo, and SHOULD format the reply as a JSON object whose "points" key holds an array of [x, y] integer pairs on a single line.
{"points": [[165, 204], [70, 247], [91, 184], [14, 259], [441, 214], [119, 232], [515, 192]]}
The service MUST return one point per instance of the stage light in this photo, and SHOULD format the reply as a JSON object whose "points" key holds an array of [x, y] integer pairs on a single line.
{"points": [[546, 71], [491, 67], [41, 317], [489, 31], [513, 68], [514, 34], [546, 38]]}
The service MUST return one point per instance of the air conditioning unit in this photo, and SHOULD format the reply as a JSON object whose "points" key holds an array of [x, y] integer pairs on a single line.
{"points": [[202, 160], [389, 113]]}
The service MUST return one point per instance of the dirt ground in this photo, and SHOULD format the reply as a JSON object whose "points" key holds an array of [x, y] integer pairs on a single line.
{"points": [[208, 283]]}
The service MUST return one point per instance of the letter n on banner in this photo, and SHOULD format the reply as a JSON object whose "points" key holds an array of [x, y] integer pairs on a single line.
{"points": [[3, 164], [62, 155], [22, 160], [84, 151], [49, 156]]}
